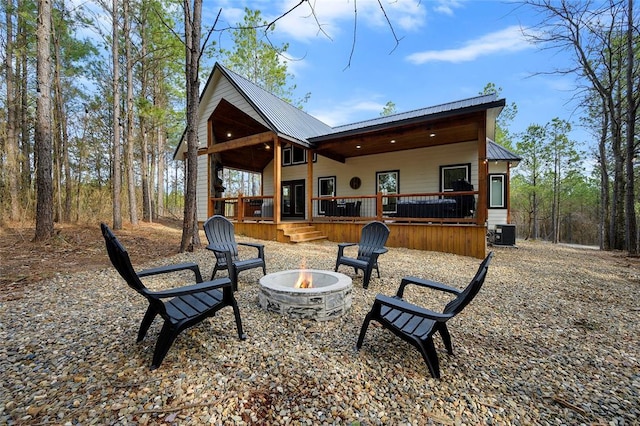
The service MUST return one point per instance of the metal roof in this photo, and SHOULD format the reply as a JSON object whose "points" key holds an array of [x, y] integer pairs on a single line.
{"points": [[296, 125], [418, 113], [496, 152], [284, 118]]}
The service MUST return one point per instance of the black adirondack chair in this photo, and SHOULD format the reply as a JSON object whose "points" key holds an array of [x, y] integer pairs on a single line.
{"points": [[372, 240], [180, 307], [222, 241], [417, 325]]}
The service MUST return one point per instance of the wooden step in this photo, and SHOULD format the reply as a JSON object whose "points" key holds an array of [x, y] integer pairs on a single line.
{"points": [[302, 232], [307, 236], [298, 230]]}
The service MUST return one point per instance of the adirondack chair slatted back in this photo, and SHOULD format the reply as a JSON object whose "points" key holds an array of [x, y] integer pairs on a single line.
{"points": [[467, 295], [219, 230], [122, 263], [374, 236]]}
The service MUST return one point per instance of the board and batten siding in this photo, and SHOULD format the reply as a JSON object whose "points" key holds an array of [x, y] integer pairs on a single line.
{"points": [[202, 197], [419, 169]]}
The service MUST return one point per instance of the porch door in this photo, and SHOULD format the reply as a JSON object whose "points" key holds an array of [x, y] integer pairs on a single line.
{"points": [[293, 199]]}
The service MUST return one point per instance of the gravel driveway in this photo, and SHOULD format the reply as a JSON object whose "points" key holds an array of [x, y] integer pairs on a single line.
{"points": [[552, 338]]}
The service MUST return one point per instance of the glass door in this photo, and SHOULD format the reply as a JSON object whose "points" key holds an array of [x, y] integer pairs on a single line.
{"points": [[293, 199]]}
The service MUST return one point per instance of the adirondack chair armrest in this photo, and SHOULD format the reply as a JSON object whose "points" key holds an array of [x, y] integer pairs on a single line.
{"points": [[342, 246], [222, 250], [191, 289], [425, 283], [380, 251], [258, 246], [173, 268], [404, 306]]}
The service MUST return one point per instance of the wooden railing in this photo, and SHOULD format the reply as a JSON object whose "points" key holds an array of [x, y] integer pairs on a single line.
{"points": [[428, 207], [432, 207], [254, 207]]}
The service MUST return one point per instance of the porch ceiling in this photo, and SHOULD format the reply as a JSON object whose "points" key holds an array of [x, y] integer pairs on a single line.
{"points": [[246, 144], [229, 124], [417, 135]]}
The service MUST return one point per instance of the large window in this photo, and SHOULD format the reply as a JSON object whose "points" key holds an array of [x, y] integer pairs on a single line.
{"points": [[388, 182], [497, 192], [452, 173], [293, 155], [326, 188]]}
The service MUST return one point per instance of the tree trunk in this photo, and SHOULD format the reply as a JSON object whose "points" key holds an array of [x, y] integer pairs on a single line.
{"points": [[160, 159], [44, 208], [190, 235], [129, 159], [62, 138], [12, 117], [630, 194], [116, 179]]}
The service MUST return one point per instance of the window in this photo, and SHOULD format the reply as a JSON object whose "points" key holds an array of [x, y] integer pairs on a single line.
{"points": [[293, 155], [497, 192], [388, 182], [452, 173], [326, 188]]}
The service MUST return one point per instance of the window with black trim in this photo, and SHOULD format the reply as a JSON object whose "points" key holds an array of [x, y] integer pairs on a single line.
{"points": [[294, 155], [497, 191], [452, 173], [326, 188], [388, 182]]}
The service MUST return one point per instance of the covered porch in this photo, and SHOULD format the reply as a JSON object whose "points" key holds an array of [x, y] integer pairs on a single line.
{"points": [[426, 173]]}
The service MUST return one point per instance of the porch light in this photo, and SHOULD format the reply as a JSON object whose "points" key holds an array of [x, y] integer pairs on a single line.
{"points": [[432, 135], [358, 147], [267, 147], [393, 141], [228, 134]]}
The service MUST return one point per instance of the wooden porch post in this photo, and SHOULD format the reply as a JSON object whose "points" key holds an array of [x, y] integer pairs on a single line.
{"points": [[483, 164], [309, 202], [277, 178]]}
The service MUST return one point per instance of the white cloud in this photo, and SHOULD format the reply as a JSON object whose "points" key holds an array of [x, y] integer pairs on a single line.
{"points": [[331, 18], [510, 39], [447, 6], [349, 111]]}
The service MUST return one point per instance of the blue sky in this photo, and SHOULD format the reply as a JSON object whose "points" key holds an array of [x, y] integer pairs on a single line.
{"points": [[448, 50]]}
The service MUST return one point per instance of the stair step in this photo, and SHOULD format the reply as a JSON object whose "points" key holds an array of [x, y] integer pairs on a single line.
{"points": [[307, 236], [299, 230]]}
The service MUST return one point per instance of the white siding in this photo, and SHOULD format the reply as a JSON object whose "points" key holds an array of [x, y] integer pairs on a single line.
{"points": [[201, 188], [497, 216], [419, 169]]}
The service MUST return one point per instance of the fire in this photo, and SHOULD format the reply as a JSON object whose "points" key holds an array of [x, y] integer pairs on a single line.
{"points": [[305, 280]]}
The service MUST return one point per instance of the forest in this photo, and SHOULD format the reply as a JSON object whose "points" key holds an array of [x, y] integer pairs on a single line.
{"points": [[95, 98]]}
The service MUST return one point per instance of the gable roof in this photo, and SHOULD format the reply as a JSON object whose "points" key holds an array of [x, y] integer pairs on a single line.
{"points": [[296, 125], [284, 119]]}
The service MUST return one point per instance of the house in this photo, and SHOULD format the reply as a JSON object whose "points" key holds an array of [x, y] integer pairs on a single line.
{"points": [[434, 175]]}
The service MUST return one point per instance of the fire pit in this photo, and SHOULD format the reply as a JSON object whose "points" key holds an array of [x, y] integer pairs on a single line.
{"points": [[306, 293]]}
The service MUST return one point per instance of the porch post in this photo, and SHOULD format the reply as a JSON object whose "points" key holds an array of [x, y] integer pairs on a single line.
{"points": [[483, 164], [277, 178], [309, 202]]}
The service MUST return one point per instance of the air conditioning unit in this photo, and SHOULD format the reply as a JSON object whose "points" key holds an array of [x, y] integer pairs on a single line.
{"points": [[505, 235]]}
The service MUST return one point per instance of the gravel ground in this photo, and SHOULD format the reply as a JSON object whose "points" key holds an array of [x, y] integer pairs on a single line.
{"points": [[551, 339]]}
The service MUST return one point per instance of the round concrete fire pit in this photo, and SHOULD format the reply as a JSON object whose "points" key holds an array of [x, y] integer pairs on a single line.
{"points": [[329, 296]]}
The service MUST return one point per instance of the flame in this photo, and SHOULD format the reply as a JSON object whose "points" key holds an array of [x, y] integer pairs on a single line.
{"points": [[305, 280]]}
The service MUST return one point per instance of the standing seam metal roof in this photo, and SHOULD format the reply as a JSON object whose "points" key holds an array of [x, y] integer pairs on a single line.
{"points": [[284, 118], [294, 123]]}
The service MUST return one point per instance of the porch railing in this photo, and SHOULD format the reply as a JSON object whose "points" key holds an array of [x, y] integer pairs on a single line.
{"points": [[429, 207], [255, 207], [432, 207]]}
